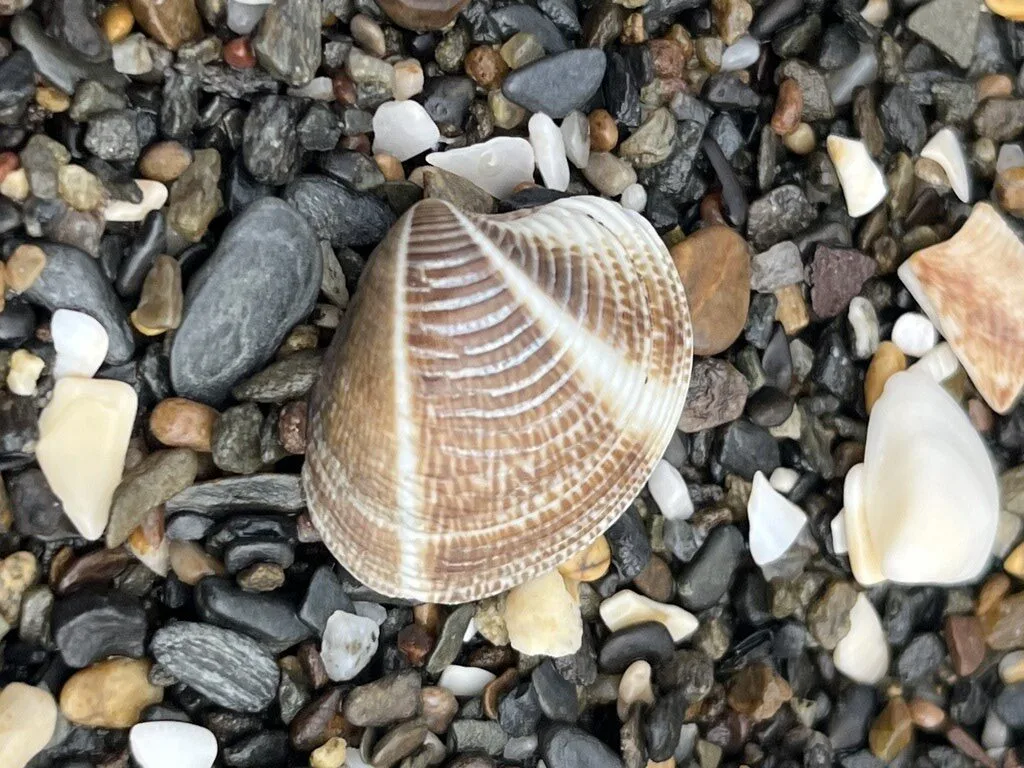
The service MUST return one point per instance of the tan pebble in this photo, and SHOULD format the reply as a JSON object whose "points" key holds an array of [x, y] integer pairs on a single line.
{"points": [[164, 161], [490, 620], [926, 715], [732, 18], [679, 34], [892, 730], [438, 707], [15, 185], [1004, 624], [261, 577], [330, 754], [1009, 189], [190, 562], [8, 162], [888, 360], [109, 694], [291, 426], [709, 52], [633, 30], [1011, 668], [802, 141], [390, 166], [160, 304], [590, 564], [996, 86], [1014, 562], [52, 99], [28, 719], [789, 106], [24, 266], [408, 79], [507, 114], [80, 189], [18, 572], [24, 372], [757, 691], [369, 34], [486, 67], [521, 49], [634, 686], [992, 592], [792, 309], [181, 423], [669, 763], [430, 616], [543, 618], [604, 132], [117, 21], [1010, 9]]}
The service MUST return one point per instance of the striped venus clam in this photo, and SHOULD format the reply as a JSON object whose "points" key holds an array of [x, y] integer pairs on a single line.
{"points": [[500, 391]]}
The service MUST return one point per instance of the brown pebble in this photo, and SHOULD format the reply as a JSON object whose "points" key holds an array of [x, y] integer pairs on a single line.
{"points": [[117, 21], [966, 642], [190, 562], [758, 692], [495, 691], [172, 24], [164, 161], [97, 567], [789, 106], [181, 423], [344, 89], [981, 416], [24, 266], [318, 721], [438, 708], [590, 564], [313, 665], [604, 133], [668, 58], [1004, 624], [238, 53], [358, 143], [791, 309], [430, 616], [8, 162], [996, 86], [926, 715], [415, 642], [493, 658], [892, 730], [291, 426], [888, 360], [995, 588], [655, 581], [486, 66], [711, 212], [1009, 189], [161, 301], [390, 166], [963, 741]]}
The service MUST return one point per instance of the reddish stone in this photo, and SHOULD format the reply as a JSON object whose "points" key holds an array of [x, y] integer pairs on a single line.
{"points": [[238, 53]]}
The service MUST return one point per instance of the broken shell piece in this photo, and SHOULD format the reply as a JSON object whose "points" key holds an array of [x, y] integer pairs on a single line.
{"points": [[775, 521], [80, 342], [860, 177], [924, 506], [154, 195], [939, 362], [549, 151], [1010, 9], [83, 439], [403, 129], [970, 286], [945, 149], [626, 608], [863, 654], [497, 166], [543, 618]]}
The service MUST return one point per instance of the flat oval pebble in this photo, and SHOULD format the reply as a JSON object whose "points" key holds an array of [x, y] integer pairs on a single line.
{"points": [[569, 747], [649, 641], [338, 213], [229, 668], [170, 744], [465, 681], [90, 626], [558, 84], [267, 269]]}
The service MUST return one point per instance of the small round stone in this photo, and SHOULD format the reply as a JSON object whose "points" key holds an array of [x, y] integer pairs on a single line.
{"points": [[181, 423], [24, 266], [117, 21], [486, 66], [164, 161], [801, 141], [238, 53], [604, 133]]}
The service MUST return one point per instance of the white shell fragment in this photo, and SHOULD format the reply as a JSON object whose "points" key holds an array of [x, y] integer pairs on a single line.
{"points": [[154, 195], [403, 129], [465, 681], [627, 608], [575, 130], [634, 197], [670, 493], [924, 506], [497, 166], [775, 521], [348, 644], [939, 362], [863, 654], [83, 439], [945, 149], [914, 334], [549, 152], [172, 744], [860, 177], [80, 342]]}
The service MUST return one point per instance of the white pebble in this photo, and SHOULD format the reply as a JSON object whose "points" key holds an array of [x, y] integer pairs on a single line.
{"points": [[408, 79], [80, 342], [634, 687], [319, 88], [403, 129], [465, 681], [996, 734], [131, 55], [838, 528], [668, 488], [914, 334], [634, 198], [1010, 156], [940, 362], [875, 12], [549, 152], [864, 322], [154, 195], [370, 610], [25, 369], [497, 166], [741, 54], [860, 177], [348, 644], [576, 136], [775, 521], [863, 655], [784, 479], [626, 608], [172, 744], [1010, 667], [945, 149]]}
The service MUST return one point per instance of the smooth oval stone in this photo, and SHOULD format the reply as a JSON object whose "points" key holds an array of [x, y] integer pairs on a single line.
{"points": [[269, 619], [72, 279], [526, 18], [570, 747], [558, 84], [149, 243], [703, 581], [557, 696], [17, 323], [649, 641], [262, 280], [91, 626], [230, 669], [339, 213], [422, 14], [57, 62]]}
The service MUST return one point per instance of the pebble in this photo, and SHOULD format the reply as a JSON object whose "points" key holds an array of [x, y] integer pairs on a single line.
{"points": [[23, 372], [779, 214], [634, 687], [476, 736], [170, 744], [542, 617], [891, 731], [391, 699], [557, 84], [404, 129], [668, 489], [863, 321], [154, 195], [549, 152], [914, 334], [287, 43], [331, 754], [652, 142], [590, 564], [156, 479], [887, 361], [235, 444], [776, 268], [497, 166], [634, 198], [181, 423], [610, 174], [229, 668], [758, 692], [210, 352], [567, 745], [627, 608], [28, 720], [950, 25], [837, 275], [714, 264], [269, 619], [861, 179], [450, 639], [718, 393], [91, 626], [965, 639], [348, 645], [863, 653], [109, 694], [775, 522], [24, 266], [1009, 705], [338, 213]]}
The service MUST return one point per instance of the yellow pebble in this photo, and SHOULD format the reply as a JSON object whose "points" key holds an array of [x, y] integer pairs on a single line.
{"points": [[117, 22], [52, 99], [889, 359], [1014, 562], [329, 755], [590, 564]]}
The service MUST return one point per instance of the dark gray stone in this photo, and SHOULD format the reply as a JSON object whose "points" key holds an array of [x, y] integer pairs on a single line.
{"points": [[287, 43], [338, 213], [704, 580], [746, 448], [270, 620], [270, 140], [778, 215], [324, 596], [253, 493], [649, 641], [567, 746], [90, 626], [556, 85], [903, 120], [114, 136], [17, 86], [557, 696]]}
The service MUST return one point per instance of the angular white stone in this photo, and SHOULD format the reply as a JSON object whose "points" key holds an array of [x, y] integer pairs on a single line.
{"points": [[996, 734], [80, 341], [838, 527], [23, 373], [634, 198], [923, 508], [863, 655], [171, 744], [940, 362], [775, 521], [576, 137], [403, 129], [945, 149], [465, 681], [154, 195], [741, 54], [914, 334], [470, 632], [543, 618], [497, 166], [864, 321], [784, 479], [860, 177], [348, 645], [875, 12], [319, 88], [626, 608], [549, 152], [670, 493], [83, 439], [1010, 156]]}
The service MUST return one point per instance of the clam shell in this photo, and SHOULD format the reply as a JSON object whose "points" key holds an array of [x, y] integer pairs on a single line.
{"points": [[500, 392], [971, 287]]}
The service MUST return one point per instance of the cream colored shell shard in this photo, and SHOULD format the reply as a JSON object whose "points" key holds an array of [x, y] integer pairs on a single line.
{"points": [[501, 390], [971, 287]]}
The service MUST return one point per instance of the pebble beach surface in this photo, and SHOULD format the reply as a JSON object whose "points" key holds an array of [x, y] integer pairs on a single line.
{"points": [[825, 568]]}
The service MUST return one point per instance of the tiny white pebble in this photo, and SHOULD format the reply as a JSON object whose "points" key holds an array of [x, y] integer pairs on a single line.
{"points": [[864, 322], [634, 197], [171, 744], [576, 135], [465, 681], [24, 372], [838, 527], [80, 342], [784, 479], [914, 334], [741, 54], [670, 493], [470, 632], [549, 152]]}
